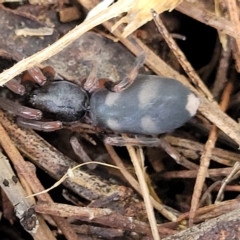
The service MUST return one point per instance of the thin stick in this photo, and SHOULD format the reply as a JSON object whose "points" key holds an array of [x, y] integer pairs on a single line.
{"points": [[206, 156], [222, 70], [145, 191], [233, 174], [132, 181], [62, 223], [234, 16]]}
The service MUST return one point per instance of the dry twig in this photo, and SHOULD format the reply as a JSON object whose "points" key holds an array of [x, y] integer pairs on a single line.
{"points": [[144, 190], [233, 11], [132, 181], [191, 149], [102, 216], [61, 223], [221, 77], [205, 159]]}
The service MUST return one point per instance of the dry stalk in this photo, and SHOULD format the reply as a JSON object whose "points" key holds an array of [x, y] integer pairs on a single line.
{"points": [[233, 11], [221, 77], [192, 149], [206, 156], [214, 210], [132, 181], [102, 216], [144, 190]]}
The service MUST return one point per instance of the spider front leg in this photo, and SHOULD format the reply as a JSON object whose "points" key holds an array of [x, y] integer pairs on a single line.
{"points": [[35, 74], [15, 56], [93, 83], [129, 79], [15, 86]]}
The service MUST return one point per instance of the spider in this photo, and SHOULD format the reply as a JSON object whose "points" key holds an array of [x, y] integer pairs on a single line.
{"points": [[138, 104]]}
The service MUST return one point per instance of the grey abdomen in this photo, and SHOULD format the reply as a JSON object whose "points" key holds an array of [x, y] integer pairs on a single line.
{"points": [[151, 105]]}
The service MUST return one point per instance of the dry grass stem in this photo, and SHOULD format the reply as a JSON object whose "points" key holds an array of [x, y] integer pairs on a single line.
{"points": [[144, 189], [233, 11], [132, 181], [206, 156]]}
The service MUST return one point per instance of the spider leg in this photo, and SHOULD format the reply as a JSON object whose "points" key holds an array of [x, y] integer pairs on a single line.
{"points": [[92, 81], [19, 110], [39, 125], [129, 79], [15, 87], [37, 75]]}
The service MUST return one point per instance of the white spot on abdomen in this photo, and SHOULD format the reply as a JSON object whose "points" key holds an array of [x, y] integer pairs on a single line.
{"points": [[148, 125], [113, 124], [112, 98], [147, 93], [192, 104]]}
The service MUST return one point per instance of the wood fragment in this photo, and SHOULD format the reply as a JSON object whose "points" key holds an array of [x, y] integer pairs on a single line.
{"points": [[227, 225], [144, 190], [205, 159], [69, 14], [102, 216], [45, 31], [233, 11], [132, 181]]}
